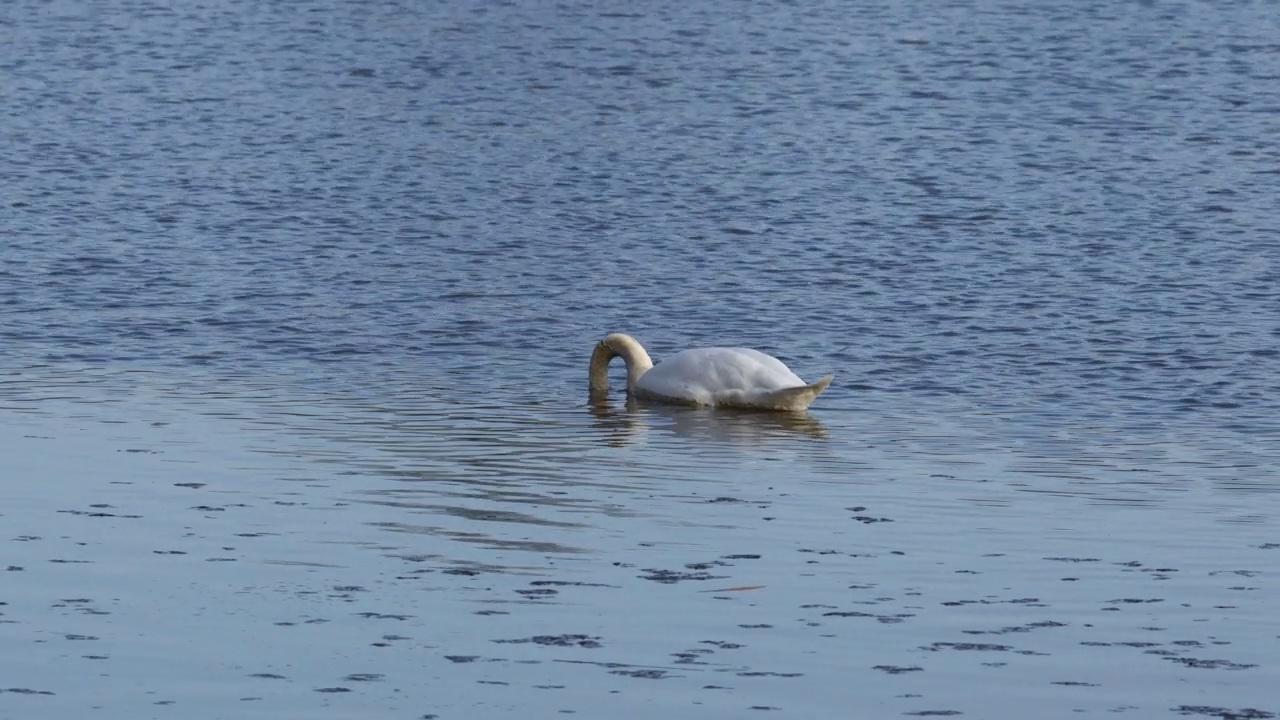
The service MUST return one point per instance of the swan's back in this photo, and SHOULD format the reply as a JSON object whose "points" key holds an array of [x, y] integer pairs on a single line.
{"points": [[719, 376]]}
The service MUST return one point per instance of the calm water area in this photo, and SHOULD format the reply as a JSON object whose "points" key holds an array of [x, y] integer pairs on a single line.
{"points": [[296, 302]]}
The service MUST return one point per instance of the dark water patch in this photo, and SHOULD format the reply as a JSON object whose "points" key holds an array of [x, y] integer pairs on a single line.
{"points": [[570, 640], [568, 583], [968, 647], [721, 644], [1026, 602], [670, 577], [884, 619], [692, 657], [1211, 664], [897, 669], [1017, 628], [1224, 713], [99, 514], [647, 674], [867, 519]]}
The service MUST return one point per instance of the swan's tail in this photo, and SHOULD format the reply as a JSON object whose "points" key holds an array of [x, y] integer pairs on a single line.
{"points": [[796, 398]]}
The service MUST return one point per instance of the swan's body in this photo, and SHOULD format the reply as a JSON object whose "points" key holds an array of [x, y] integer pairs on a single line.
{"points": [[717, 376]]}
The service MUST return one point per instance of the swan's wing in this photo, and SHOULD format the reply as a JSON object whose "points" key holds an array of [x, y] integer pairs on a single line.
{"points": [[766, 367], [704, 375]]}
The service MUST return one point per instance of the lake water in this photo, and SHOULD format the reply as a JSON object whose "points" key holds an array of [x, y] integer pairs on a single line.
{"points": [[296, 301]]}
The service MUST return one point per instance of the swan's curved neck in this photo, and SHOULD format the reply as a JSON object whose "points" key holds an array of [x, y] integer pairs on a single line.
{"points": [[637, 360]]}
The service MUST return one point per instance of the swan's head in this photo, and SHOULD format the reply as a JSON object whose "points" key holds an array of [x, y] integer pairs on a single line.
{"points": [[614, 345]]}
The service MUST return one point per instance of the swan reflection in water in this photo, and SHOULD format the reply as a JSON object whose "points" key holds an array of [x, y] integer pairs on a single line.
{"points": [[630, 422]]}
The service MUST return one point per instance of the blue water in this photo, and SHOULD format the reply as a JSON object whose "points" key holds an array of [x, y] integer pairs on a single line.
{"points": [[353, 258]]}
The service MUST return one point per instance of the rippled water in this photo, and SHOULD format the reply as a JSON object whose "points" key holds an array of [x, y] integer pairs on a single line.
{"points": [[296, 301]]}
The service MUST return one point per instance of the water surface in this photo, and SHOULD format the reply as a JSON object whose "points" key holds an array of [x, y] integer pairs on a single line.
{"points": [[296, 302]]}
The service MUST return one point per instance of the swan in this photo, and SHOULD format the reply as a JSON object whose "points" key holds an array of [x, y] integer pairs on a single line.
{"points": [[714, 376]]}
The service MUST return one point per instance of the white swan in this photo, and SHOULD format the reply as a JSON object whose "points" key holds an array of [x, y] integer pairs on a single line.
{"points": [[716, 376]]}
